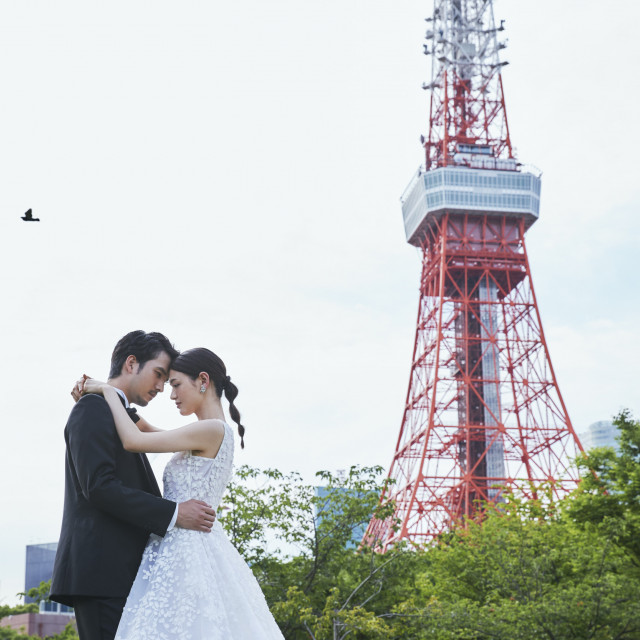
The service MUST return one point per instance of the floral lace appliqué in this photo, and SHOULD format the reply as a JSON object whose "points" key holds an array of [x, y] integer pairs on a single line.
{"points": [[192, 585]]}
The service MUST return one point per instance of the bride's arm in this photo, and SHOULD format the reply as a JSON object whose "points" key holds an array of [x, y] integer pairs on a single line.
{"points": [[143, 425], [203, 434], [78, 390]]}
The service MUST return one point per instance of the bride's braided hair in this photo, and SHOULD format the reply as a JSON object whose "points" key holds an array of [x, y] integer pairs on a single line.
{"points": [[194, 361]]}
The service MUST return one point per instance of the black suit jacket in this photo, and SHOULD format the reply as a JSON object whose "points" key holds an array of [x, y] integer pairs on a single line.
{"points": [[111, 505]]}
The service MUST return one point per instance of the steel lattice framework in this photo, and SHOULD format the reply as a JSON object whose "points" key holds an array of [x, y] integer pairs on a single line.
{"points": [[483, 412], [467, 98]]}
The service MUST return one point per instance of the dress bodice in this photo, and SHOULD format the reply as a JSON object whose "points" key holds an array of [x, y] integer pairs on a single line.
{"points": [[187, 476]]}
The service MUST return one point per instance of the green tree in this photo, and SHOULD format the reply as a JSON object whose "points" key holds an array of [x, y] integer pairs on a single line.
{"points": [[6, 611], [39, 593], [608, 498], [525, 573], [69, 633], [537, 569], [12, 634], [317, 583]]}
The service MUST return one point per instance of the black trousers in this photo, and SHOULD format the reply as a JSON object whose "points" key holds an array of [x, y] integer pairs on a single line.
{"points": [[98, 618]]}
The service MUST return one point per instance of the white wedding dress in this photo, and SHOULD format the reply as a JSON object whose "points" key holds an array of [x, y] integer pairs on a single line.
{"points": [[192, 585]]}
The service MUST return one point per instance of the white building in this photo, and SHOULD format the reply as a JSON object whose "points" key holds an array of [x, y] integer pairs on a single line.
{"points": [[600, 434]]}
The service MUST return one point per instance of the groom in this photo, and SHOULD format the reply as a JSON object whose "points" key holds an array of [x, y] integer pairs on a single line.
{"points": [[112, 501]]}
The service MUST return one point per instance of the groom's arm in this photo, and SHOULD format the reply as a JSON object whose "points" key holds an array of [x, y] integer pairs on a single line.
{"points": [[93, 446]]}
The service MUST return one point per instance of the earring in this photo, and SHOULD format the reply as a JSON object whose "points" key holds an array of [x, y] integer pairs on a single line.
{"points": [[202, 388]]}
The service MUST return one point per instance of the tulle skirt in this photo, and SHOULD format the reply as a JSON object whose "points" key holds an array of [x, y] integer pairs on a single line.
{"points": [[195, 586]]}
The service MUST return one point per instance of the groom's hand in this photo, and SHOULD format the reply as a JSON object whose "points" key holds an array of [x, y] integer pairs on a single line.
{"points": [[195, 515]]}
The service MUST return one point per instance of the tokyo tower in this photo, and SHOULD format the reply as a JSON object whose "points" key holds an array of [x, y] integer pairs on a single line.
{"points": [[483, 411]]}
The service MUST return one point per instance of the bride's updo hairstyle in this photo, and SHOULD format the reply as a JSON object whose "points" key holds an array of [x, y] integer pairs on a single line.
{"points": [[194, 361]]}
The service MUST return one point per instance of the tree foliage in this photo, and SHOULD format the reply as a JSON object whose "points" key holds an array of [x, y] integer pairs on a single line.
{"points": [[39, 593], [527, 573], [319, 586], [608, 498], [535, 569], [567, 570]]}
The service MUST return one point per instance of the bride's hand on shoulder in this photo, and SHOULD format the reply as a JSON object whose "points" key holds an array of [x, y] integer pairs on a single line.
{"points": [[86, 385], [76, 392], [91, 385]]}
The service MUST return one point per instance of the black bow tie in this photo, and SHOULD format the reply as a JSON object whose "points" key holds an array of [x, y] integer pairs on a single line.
{"points": [[133, 414]]}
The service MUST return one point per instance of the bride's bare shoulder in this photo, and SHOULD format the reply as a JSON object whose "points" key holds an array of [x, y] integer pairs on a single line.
{"points": [[212, 425]]}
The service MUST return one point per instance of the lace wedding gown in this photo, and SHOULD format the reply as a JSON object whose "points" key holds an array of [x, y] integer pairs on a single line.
{"points": [[192, 585]]}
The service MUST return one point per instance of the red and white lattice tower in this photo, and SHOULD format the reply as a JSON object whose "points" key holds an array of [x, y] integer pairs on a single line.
{"points": [[483, 412]]}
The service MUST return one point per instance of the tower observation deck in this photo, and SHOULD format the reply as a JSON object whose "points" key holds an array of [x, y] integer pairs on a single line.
{"points": [[469, 188], [483, 412]]}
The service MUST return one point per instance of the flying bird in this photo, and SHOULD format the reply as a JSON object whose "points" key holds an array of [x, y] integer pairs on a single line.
{"points": [[28, 217]]}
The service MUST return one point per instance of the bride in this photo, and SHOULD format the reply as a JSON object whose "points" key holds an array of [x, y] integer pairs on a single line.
{"points": [[191, 585]]}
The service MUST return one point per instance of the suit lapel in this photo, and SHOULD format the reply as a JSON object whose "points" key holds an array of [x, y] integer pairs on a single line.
{"points": [[151, 478]]}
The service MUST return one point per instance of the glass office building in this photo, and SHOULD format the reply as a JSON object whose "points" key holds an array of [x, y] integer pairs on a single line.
{"points": [[39, 568]]}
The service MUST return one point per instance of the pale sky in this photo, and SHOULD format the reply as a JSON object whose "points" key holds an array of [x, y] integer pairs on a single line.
{"points": [[230, 173]]}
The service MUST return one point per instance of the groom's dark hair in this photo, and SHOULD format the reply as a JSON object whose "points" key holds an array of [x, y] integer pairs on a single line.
{"points": [[144, 346]]}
